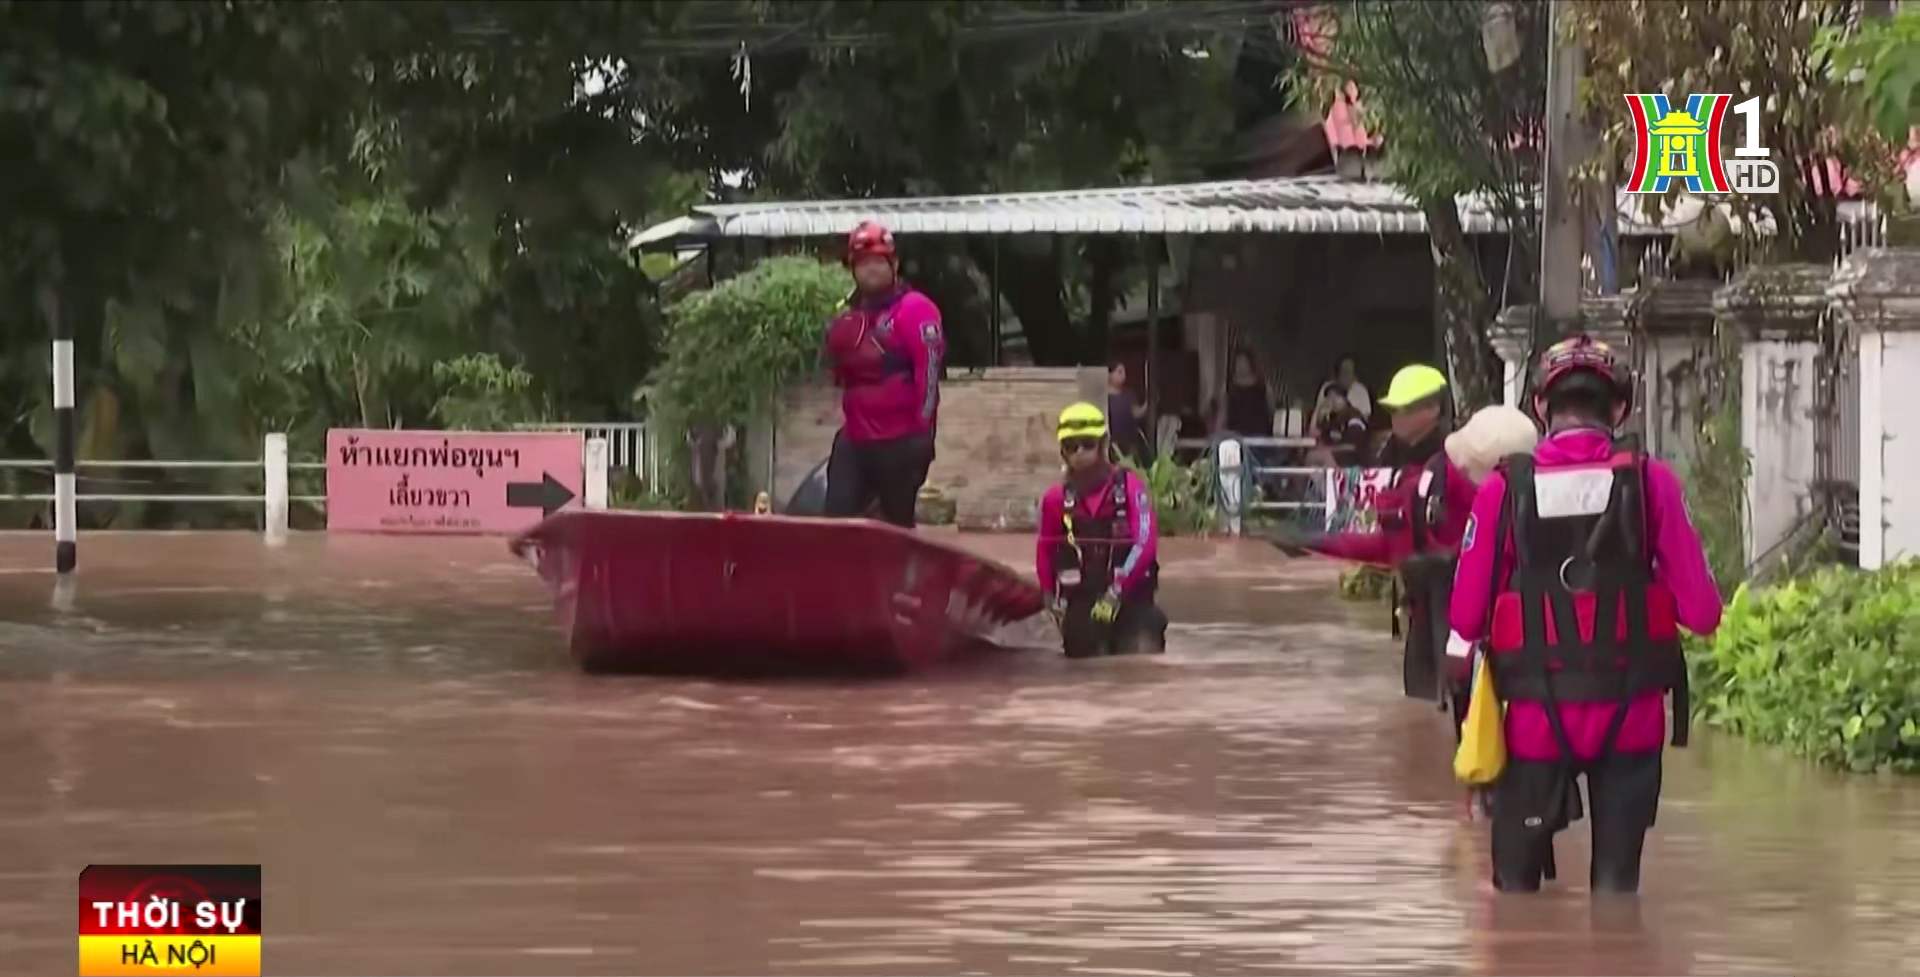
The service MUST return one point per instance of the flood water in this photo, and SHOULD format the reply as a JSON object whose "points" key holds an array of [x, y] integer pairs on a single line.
{"points": [[392, 729]]}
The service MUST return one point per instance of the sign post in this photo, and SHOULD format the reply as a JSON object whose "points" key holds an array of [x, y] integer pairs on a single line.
{"points": [[450, 482]]}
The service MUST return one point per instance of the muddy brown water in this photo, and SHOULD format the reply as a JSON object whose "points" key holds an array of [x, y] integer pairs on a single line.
{"points": [[391, 728]]}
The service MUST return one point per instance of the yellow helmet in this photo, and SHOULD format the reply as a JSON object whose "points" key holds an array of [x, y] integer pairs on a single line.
{"points": [[1414, 384], [1082, 420]]}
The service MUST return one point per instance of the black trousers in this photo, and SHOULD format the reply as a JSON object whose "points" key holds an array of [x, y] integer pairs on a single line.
{"points": [[1532, 801], [1140, 626], [889, 473]]}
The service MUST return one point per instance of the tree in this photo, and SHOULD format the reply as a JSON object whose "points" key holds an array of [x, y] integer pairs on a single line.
{"points": [[730, 350], [1454, 125], [1886, 55], [173, 153], [964, 97], [1754, 50]]}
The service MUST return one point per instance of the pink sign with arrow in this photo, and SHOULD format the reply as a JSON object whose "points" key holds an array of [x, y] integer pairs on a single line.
{"points": [[450, 481]]}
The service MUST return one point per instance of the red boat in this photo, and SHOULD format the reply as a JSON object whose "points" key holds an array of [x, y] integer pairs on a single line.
{"points": [[734, 593]]}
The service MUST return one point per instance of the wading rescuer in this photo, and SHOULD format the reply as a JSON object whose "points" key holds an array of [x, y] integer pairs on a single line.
{"points": [[885, 350], [1097, 552], [1421, 515], [1578, 566]]}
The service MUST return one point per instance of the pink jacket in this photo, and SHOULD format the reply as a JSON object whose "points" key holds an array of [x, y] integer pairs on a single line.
{"points": [[886, 355], [1143, 533], [1680, 563]]}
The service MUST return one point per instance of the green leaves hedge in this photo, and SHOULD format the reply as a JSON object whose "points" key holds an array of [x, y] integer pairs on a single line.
{"points": [[729, 351], [1827, 666]]}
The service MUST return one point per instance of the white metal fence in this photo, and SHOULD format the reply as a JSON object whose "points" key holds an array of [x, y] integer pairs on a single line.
{"points": [[274, 469], [1244, 485], [631, 446]]}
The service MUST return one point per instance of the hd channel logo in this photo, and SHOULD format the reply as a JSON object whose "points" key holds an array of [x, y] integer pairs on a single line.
{"points": [[1686, 144], [202, 920]]}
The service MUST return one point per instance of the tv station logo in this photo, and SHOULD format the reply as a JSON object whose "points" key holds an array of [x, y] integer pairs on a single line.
{"points": [[170, 919], [1686, 144]]}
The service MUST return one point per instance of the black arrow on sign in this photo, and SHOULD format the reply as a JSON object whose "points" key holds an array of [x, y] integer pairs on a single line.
{"points": [[547, 495]]}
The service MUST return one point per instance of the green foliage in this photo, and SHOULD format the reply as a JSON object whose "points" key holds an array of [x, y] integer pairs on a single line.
{"points": [[1182, 494], [374, 293], [1365, 583], [1886, 55], [1827, 666], [964, 96], [1761, 50], [482, 393], [1422, 76], [730, 350], [628, 492], [262, 216], [1716, 480]]}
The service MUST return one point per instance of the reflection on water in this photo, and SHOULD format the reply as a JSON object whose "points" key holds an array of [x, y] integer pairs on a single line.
{"points": [[391, 728]]}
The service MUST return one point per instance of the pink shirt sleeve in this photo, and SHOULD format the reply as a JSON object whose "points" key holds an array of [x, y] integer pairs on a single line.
{"points": [[1679, 559], [1145, 532], [1375, 548], [1053, 529], [924, 342], [1473, 579]]}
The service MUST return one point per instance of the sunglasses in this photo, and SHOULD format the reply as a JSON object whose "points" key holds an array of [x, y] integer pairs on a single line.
{"points": [[1073, 446]]}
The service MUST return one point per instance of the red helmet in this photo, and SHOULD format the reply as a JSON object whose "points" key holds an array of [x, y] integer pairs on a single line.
{"points": [[867, 239], [1583, 352]]}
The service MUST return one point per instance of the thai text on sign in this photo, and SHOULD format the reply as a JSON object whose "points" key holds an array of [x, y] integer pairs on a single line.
{"points": [[450, 481], [153, 919], [1354, 492]]}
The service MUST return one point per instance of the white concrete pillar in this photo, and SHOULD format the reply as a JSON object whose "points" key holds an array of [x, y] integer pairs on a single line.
{"points": [[1510, 340], [1876, 295], [1230, 461], [273, 461], [1777, 310], [595, 494]]}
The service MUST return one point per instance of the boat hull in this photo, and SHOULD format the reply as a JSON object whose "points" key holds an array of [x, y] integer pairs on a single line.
{"points": [[729, 593]]}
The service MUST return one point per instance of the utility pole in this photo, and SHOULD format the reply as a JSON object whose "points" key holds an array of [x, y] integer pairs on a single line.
{"points": [[1561, 236]]}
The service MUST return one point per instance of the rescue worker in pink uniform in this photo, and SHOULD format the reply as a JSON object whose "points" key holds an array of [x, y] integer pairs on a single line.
{"points": [[885, 350], [1421, 516], [1097, 552], [1578, 567]]}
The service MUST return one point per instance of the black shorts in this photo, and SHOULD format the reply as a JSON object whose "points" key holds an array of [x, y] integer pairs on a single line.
{"points": [[1139, 627], [890, 473]]}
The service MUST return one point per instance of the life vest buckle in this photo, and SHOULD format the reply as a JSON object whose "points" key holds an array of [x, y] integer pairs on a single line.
{"points": [[1585, 572]]}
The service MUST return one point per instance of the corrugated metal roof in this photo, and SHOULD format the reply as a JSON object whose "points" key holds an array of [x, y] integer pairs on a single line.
{"points": [[1285, 205], [1309, 204]]}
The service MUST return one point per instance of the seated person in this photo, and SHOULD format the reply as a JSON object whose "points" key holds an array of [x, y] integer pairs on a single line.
{"points": [[1096, 552], [1339, 430]]}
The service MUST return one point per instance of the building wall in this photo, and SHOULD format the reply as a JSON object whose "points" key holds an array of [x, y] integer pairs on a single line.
{"points": [[1776, 417], [1674, 384], [996, 452], [1890, 467]]}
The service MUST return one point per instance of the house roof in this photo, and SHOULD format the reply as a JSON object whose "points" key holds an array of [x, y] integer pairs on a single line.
{"points": [[1283, 205], [1299, 205]]}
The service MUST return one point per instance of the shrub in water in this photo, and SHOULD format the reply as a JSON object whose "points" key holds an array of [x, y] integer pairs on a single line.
{"points": [[1365, 583], [1827, 666]]}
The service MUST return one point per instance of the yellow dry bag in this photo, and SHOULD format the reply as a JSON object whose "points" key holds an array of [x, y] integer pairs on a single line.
{"points": [[1483, 743]]}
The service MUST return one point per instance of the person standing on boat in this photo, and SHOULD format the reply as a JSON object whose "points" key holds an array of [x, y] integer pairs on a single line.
{"points": [[1097, 553], [1579, 565], [885, 350]]}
